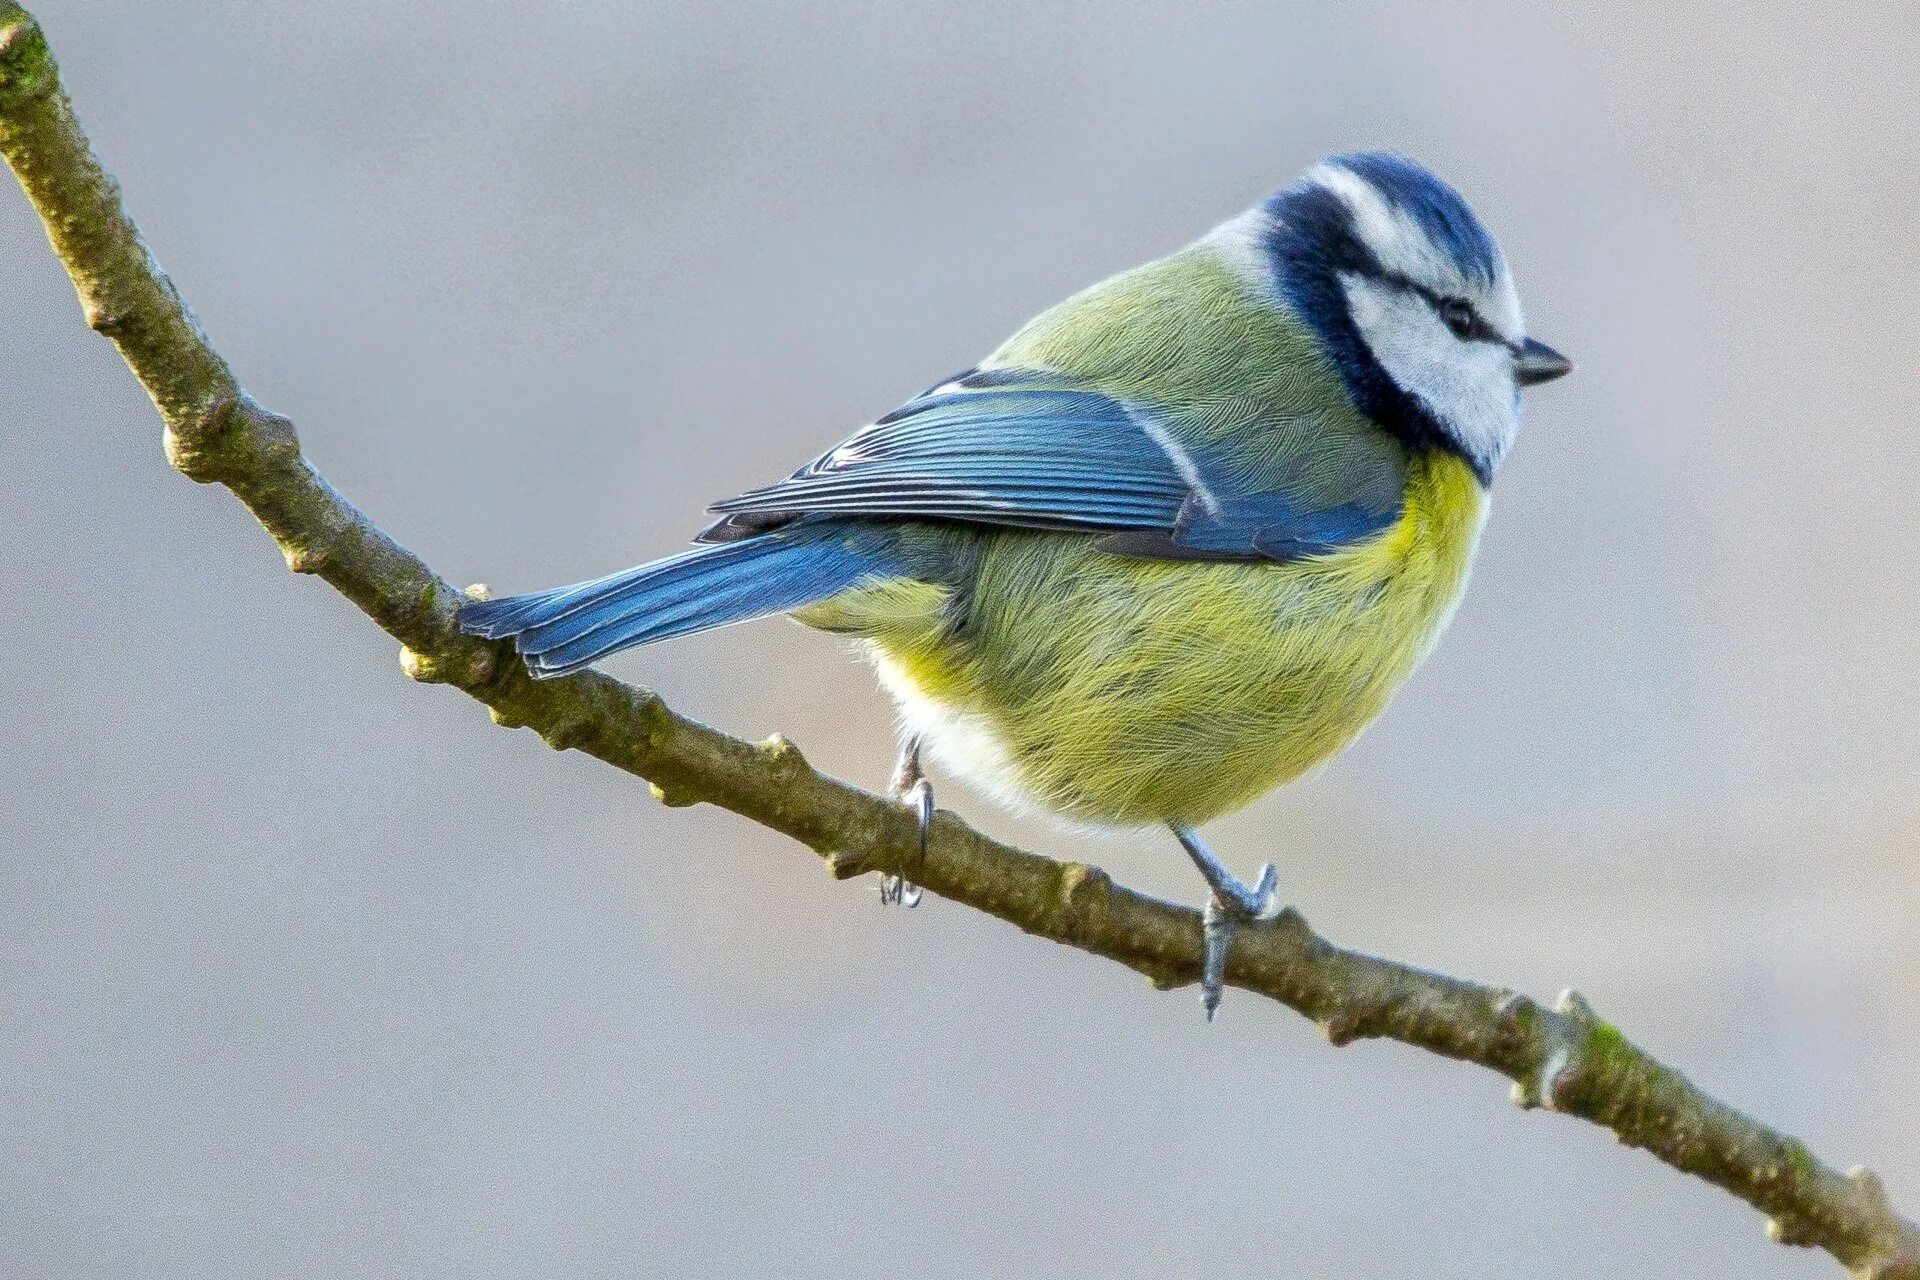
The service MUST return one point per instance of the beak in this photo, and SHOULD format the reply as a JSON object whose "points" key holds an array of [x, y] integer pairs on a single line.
{"points": [[1535, 362]]}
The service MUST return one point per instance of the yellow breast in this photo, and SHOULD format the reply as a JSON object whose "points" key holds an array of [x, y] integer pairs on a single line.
{"points": [[1125, 692]]}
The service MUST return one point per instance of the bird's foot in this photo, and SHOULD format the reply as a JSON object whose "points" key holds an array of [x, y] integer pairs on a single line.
{"points": [[1220, 920], [910, 787], [1231, 904]]}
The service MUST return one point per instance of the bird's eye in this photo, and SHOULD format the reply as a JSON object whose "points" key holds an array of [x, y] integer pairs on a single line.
{"points": [[1459, 316]]}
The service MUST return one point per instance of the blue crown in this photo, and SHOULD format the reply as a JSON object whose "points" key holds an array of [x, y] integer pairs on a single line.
{"points": [[1434, 207], [1311, 241]]}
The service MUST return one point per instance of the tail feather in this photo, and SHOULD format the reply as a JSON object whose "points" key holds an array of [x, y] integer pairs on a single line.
{"points": [[497, 619], [567, 628]]}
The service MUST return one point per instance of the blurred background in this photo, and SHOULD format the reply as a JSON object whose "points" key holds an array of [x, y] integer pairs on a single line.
{"points": [[311, 971]]}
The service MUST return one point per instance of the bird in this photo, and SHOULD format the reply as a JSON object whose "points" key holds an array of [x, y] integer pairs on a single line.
{"points": [[1171, 545]]}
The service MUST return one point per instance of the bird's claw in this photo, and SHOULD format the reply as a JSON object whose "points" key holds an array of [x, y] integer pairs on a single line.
{"points": [[897, 890], [1221, 919], [1231, 904], [1260, 902], [1216, 940], [912, 789]]}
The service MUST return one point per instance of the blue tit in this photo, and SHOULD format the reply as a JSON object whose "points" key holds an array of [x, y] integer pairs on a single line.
{"points": [[1176, 542]]}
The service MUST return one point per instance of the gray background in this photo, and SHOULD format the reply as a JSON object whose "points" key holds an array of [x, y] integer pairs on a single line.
{"points": [[309, 971]]}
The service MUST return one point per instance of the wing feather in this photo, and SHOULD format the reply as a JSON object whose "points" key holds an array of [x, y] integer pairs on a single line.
{"points": [[1029, 449], [1039, 456]]}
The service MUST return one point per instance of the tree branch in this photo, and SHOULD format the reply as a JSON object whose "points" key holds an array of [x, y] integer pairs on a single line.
{"points": [[1565, 1058]]}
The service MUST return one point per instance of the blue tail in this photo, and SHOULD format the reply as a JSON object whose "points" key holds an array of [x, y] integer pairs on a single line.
{"points": [[564, 629]]}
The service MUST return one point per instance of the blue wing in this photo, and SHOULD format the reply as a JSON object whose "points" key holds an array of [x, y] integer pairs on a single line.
{"points": [[1032, 449], [1045, 454]]}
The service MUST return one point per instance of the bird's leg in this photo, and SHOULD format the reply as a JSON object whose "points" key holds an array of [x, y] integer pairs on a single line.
{"points": [[1231, 904], [910, 787]]}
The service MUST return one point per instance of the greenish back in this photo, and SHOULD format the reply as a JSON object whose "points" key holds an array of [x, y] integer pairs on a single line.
{"points": [[1238, 381]]}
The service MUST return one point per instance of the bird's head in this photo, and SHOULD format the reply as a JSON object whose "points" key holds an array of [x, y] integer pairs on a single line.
{"points": [[1410, 298]]}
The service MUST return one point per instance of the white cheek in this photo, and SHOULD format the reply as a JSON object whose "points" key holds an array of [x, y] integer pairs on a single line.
{"points": [[1468, 386]]}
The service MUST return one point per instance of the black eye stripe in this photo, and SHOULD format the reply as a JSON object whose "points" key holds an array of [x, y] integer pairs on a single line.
{"points": [[1476, 329]]}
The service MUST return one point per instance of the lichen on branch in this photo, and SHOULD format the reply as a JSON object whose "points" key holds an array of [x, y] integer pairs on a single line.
{"points": [[1565, 1058]]}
